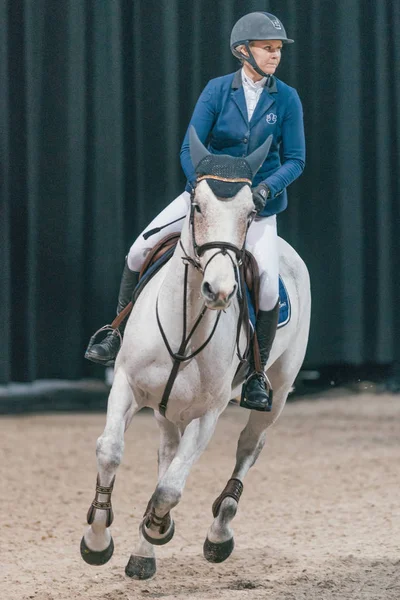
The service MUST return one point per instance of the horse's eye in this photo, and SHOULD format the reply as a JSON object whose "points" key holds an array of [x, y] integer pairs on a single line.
{"points": [[197, 208]]}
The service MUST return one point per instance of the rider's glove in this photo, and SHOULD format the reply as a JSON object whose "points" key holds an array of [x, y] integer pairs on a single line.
{"points": [[261, 193]]}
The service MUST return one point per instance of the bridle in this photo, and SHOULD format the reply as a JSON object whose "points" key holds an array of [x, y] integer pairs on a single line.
{"points": [[198, 250]]}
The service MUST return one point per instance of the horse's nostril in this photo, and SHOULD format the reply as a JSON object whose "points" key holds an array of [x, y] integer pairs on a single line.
{"points": [[208, 291]]}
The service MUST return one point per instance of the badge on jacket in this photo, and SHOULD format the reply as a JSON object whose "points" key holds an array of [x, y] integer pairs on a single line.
{"points": [[271, 118]]}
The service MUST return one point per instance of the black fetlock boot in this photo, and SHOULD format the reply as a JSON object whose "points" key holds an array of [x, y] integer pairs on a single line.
{"points": [[105, 352], [257, 390]]}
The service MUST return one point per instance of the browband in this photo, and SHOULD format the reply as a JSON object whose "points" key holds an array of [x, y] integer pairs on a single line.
{"points": [[233, 180]]}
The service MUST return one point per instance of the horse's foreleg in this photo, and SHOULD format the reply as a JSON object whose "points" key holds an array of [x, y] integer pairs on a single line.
{"points": [[97, 544], [219, 542], [142, 563], [157, 525], [170, 437]]}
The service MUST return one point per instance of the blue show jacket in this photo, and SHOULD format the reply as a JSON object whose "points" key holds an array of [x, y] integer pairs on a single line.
{"points": [[221, 122]]}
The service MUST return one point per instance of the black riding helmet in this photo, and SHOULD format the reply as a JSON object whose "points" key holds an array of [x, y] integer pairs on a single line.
{"points": [[256, 26]]}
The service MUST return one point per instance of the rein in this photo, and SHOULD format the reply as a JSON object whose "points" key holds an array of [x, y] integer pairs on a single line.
{"points": [[179, 357]]}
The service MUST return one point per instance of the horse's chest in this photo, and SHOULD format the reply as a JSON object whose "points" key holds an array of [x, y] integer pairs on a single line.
{"points": [[196, 389]]}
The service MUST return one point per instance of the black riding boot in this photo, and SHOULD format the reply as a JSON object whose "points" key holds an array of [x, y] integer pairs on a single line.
{"points": [[105, 352], [257, 391]]}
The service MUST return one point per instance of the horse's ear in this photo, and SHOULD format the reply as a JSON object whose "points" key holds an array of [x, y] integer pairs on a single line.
{"points": [[197, 149], [256, 158]]}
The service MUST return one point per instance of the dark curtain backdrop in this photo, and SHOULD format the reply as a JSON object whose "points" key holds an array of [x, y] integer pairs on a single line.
{"points": [[95, 97]]}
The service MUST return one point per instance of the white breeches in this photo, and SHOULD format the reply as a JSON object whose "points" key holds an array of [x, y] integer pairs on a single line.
{"points": [[262, 241]]}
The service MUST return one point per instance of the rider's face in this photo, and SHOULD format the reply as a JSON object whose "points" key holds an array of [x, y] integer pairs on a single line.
{"points": [[267, 54]]}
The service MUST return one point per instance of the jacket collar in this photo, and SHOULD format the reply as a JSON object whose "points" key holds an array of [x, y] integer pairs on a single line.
{"points": [[270, 84], [263, 103]]}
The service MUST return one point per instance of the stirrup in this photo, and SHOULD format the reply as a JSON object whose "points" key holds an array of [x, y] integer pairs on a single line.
{"points": [[268, 387], [261, 374], [104, 328]]}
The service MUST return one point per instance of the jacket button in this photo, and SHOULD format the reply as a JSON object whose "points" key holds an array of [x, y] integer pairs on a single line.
{"points": [[246, 140]]}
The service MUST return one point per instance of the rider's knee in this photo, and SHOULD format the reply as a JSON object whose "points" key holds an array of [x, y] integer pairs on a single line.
{"points": [[137, 254], [269, 292], [268, 302]]}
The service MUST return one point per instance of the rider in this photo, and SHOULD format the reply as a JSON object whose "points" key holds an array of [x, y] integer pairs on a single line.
{"points": [[234, 115]]}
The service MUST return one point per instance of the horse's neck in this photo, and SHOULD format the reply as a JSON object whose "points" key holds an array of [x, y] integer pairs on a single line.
{"points": [[174, 305]]}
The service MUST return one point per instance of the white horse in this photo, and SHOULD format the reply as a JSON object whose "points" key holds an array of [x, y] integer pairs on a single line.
{"points": [[203, 385]]}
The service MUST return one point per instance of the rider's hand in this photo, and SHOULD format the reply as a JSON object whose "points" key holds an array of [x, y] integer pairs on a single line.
{"points": [[261, 193]]}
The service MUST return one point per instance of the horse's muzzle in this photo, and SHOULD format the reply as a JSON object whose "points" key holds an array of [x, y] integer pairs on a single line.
{"points": [[217, 300]]}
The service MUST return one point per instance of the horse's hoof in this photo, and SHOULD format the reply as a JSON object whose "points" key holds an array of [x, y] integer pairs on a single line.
{"points": [[140, 567], [217, 553], [158, 541], [96, 558]]}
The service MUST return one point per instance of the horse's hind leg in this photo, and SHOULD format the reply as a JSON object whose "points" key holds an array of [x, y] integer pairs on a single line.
{"points": [[97, 545], [142, 563], [219, 542]]}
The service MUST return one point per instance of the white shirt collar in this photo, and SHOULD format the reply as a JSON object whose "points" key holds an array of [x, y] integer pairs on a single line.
{"points": [[255, 85]]}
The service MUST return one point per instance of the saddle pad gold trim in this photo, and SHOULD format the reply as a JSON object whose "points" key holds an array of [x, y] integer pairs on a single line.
{"points": [[233, 180]]}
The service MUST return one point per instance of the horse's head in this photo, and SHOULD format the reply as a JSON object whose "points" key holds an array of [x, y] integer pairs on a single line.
{"points": [[222, 208]]}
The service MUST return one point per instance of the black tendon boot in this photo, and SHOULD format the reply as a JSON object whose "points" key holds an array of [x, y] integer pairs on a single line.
{"points": [[257, 390], [105, 352]]}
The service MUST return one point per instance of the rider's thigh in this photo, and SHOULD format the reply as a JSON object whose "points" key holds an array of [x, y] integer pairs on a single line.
{"points": [[262, 241], [141, 247]]}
